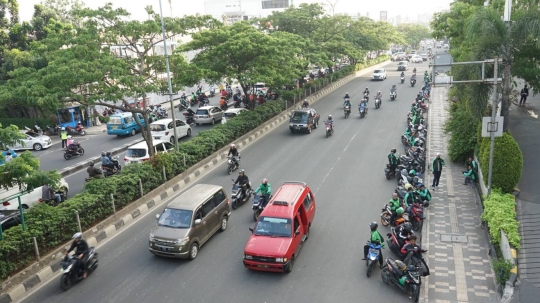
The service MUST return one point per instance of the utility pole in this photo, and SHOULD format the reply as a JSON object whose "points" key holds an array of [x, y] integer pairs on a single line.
{"points": [[168, 77], [332, 5]]}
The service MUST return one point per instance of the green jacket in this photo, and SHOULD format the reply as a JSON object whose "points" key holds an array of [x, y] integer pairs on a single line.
{"points": [[264, 189], [394, 204], [474, 165], [392, 159], [425, 194], [376, 238], [409, 199], [437, 164], [470, 173]]}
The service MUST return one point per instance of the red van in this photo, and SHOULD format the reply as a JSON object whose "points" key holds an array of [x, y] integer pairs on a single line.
{"points": [[282, 228]]}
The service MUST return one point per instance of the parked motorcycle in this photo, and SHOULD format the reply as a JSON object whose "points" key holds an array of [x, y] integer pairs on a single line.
{"points": [[190, 118], [347, 110], [386, 217], [237, 198], [78, 130], [393, 243], [52, 131], [374, 253], [408, 280], [377, 103], [258, 205], [232, 164], [68, 153], [389, 173], [417, 215], [73, 273]]}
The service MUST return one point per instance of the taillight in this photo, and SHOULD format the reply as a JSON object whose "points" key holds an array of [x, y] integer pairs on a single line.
{"points": [[166, 133], [207, 116], [40, 200], [229, 202], [146, 159], [6, 203]]}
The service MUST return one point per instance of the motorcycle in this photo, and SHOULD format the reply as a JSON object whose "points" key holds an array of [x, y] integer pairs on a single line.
{"points": [[237, 196], [51, 131], [258, 205], [413, 82], [190, 119], [417, 215], [78, 130], [366, 96], [347, 110], [386, 217], [204, 102], [402, 80], [329, 129], [377, 103], [392, 275], [392, 96], [72, 272], [362, 111], [68, 153], [107, 171], [232, 164], [389, 173], [374, 253], [52, 202], [212, 93]]}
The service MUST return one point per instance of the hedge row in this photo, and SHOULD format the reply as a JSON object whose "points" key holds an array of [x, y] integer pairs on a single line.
{"points": [[22, 122], [53, 226], [500, 214], [507, 162]]}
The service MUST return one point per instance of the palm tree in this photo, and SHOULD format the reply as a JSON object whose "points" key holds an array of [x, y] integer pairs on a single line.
{"points": [[489, 37]]}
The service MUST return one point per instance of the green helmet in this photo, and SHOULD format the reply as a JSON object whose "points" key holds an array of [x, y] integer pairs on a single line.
{"points": [[412, 172], [400, 211]]}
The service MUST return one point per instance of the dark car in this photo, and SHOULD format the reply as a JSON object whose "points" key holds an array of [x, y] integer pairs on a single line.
{"points": [[10, 220], [304, 120]]}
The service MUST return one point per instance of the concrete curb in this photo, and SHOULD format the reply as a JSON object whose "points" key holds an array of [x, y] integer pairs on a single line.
{"points": [[40, 272]]}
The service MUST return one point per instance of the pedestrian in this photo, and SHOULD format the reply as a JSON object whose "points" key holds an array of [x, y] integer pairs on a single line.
{"points": [[436, 167], [524, 95], [63, 136], [474, 166], [469, 175]]}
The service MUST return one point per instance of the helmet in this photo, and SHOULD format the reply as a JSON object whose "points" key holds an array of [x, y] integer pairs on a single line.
{"points": [[305, 100], [108, 153], [400, 265], [265, 181], [400, 211], [407, 227], [63, 128], [91, 163], [330, 117], [393, 150], [103, 154], [412, 172], [408, 186], [69, 137], [373, 226], [404, 172], [233, 146], [426, 203], [379, 92], [241, 171], [77, 236]]}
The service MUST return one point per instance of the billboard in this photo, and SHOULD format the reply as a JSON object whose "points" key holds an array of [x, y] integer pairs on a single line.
{"points": [[384, 16]]}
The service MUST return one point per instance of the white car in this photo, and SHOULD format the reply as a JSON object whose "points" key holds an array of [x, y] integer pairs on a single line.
{"points": [[233, 112], [378, 74], [138, 153], [416, 59], [27, 200], [32, 141], [163, 129]]}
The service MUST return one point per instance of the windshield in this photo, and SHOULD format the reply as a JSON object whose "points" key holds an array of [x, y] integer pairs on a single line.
{"points": [[175, 218], [115, 120], [402, 63], [300, 117], [32, 134], [378, 71], [157, 127], [136, 152], [273, 227]]}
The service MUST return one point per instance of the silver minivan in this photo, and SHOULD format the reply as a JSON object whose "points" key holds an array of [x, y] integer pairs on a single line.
{"points": [[189, 221]]}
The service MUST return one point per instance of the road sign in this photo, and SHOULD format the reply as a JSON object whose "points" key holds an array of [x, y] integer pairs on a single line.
{"points": [[488, 127]]}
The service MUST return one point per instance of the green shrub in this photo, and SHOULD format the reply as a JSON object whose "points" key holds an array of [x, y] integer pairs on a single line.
{"points": [[461, 126], [22, 122], [502, 268], [507, 162], [500, 214]]}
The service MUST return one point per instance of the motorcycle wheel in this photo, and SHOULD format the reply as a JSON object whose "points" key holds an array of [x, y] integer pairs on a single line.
{"points": [[415, 291], [234, 204], [230, 169], [67, 156], [81, 151], [65, 282], [327, 134], [82, 133], [388, 177], [369, 268], [417, 225], [256, 215], [385, 275], [385, 218]]}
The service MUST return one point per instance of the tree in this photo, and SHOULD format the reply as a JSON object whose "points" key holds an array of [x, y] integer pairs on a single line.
{"points": [[414, 33], [23, 171], [246, 54]]}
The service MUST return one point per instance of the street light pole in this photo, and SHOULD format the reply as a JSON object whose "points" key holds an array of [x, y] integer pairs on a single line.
{"points": [[493, 114], [168, 77]]}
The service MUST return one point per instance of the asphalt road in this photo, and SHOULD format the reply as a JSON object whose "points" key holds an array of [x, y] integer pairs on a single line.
{"points": [[345, 172]]}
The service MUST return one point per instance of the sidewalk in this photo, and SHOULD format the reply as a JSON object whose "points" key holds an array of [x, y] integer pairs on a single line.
{"points": [[457, 244]]}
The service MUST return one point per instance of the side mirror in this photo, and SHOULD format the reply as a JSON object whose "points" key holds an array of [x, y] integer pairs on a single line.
{"points": [[157, 216], [251, 229], [198, 221], [296, 233]]}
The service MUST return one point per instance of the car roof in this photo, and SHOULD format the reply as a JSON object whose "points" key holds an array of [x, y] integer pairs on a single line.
{"points": [[403, 62], [122, 114], [143, 144], [163, 121], [206, 107], [288, 193], [235, 110], [193, 197], [305, 110]]}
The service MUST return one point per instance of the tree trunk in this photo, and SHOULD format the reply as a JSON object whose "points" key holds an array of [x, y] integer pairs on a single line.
{"points": [[505, 104]]}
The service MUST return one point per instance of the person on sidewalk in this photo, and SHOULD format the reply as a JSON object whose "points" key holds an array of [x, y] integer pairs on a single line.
{"points": [[424, 193], [524, 95], [436, 167], [469, 175], [474, 166]]}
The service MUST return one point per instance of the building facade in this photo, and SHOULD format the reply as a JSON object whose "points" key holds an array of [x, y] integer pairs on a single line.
{"points": [[230, 11]]}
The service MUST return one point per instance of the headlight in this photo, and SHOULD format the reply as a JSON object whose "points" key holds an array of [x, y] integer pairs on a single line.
{"points": [[290, 124], [280, 260], [248, 257], [183, 241], [151, 237]]}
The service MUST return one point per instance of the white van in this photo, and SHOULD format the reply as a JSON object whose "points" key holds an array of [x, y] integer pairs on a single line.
{"points": [[27, 200], [138, 153]]}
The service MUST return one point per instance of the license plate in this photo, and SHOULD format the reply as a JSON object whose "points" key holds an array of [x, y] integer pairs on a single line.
{"points": [[297, 127], [115, 127], [157, 138], [262, 266]]}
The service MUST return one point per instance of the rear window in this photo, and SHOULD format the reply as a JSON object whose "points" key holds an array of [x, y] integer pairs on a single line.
{"points": [[115, 120], [136, 152], [299, 117], [157, 127], [229, 115], [202, 112]]}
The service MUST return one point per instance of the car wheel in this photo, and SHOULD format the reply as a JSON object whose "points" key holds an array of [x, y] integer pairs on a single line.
{"points": [[193, 251], [24, 206], [224, 222], [309, 130], [197, 124], [292, 131], [133, 132], [290, 266], [171, 140], [212, 122], [38, 146], [188, 132]]}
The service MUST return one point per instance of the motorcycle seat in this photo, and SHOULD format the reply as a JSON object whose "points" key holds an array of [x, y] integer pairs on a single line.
{"points": [[395, 270]]}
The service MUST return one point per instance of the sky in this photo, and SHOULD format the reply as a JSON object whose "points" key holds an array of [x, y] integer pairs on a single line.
{"points": [[405, 8]]}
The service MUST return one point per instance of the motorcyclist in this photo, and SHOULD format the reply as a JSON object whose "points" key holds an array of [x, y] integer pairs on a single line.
{"points": [[393, 90], [377, 239], [234, 153], [403, 233], [105, 161], [410, 196], [424, 193], [243, 181], [223, 103], [330, 122], [363, 105], [413, 77], [393, 159], [347, 102], [202, 98], [237, 91], [419, 97], [402, 75], [346, 96], [266, 191], [394, 204], [72, 145], [93, 172], [412, 249], [414, 71], [305, 104], [47, 193], [81, 251], [366, 91], [114, 162], [379, 96]]}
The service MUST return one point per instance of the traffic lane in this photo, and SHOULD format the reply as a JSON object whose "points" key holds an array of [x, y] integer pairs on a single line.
{"points": [[310, 161]]}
